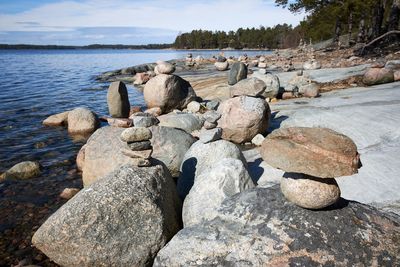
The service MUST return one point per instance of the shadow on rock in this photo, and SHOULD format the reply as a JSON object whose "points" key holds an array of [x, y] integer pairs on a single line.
{"points": [[255, 170]]}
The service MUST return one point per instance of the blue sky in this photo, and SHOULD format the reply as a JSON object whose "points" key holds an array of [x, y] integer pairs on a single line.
{"points": [[85, 22]]}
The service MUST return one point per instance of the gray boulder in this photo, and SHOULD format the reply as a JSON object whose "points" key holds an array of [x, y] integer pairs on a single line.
{"points": [[249, 87], [201, 157], [170, 146], [207, 136], [272, 84], [168, 92], [107, 224], [238, 72], [226, 178], [82, 121], [258, 227], [185, 121], [102, 154], [118, 100]]}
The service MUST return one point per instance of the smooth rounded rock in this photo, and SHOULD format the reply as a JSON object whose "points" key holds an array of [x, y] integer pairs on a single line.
{"points": [[118, 100], [250, 87], [22, 171], [309, 192], [82, 121], [221, 66], [136, 134], [378, 76], [164, 68]]}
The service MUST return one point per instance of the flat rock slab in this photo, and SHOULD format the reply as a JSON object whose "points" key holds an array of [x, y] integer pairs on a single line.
{"points": [[370, 117], [258, 227], [319, 152]]}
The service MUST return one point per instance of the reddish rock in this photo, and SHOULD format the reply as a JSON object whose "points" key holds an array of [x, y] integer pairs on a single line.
{"points": [[318, 152], [154, 111], [134, 109], [378, 76], [396, 76], [68, 193], [141, 78], [122, 123], [243, 118], [287, 95]]}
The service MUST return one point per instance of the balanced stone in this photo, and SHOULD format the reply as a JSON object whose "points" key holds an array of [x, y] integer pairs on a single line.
{"points": [[309, 192], [118, 100], [141, 154], [238, 72], [207, 136], [141, 145], [136, 134], [164, 68], [319, 152]]}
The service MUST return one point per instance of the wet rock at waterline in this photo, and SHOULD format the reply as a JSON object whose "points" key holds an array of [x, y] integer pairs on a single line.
{"points": [[82, 121], [59, 119], [22, 171], [106, 224], [259, 227], [118, 100]]}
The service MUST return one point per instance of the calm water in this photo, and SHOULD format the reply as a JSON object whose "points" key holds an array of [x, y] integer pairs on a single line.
{"points": [[36, 84]]}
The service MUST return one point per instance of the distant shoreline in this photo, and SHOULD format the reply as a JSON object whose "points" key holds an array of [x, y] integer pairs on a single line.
{"points": [[116, 47]]}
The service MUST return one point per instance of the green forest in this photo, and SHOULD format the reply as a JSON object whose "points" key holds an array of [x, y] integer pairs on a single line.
{"points": [[360, 20]]}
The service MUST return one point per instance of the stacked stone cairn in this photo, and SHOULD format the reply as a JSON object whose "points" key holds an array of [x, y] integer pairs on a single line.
{"points": [[261, 63], [138, 139], [312, 158], [222, 63], [210, 132]]}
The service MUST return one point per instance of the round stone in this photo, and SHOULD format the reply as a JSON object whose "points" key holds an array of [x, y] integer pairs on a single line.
{"points": [[309, 192]]}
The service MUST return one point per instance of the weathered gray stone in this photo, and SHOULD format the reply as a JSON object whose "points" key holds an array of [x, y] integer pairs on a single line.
{"points": [[185, 121], [237, 72], [22, 171], [250, 87], [258, 227], [142, 145], [212, 116], [164, 68], [107, 224], [201, 157], [144, 121], [309, 192], [170, 146], [309, 90], [82, 121], [118, 100], [226, 178], [207, 136], [209, 125], [136, 134], [272, 84]]}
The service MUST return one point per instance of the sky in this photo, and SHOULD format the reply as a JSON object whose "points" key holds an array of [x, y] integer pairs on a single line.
{"points": [[129, 21]]}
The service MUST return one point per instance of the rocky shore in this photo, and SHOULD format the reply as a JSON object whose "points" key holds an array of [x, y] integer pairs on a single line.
{"points": [[234, 161]]}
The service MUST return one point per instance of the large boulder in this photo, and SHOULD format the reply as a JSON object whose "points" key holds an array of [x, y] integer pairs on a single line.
{"points": [[238, 72], [22, 171], [318, 152], [250, 87], [118, 100], [121, 220], [378, 76], [201, 157], [243, 118], [82, 121], [103, 154], [272, 84], [170, 146], [168, 92], [258, 227], [185, 121], [226, 178]]}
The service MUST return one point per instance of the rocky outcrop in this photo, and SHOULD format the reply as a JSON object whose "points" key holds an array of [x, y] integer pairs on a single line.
{"points": [[237, 72], [226, 178], [201, 157], [82, 121], [22, 171], [118, 100], [248, 87], [168, 92], [319, 152], [170, 146], [185, 121], [243, 118], [258, 227], [121, 220]]}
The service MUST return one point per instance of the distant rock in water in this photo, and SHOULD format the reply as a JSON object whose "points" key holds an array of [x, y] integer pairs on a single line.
{"points": [[123, 219], [118, 100], [258, 227], [238, 72], [168, 92]]}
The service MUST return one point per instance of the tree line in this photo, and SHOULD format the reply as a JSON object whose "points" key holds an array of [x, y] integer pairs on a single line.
{"points": [[360, 20]]}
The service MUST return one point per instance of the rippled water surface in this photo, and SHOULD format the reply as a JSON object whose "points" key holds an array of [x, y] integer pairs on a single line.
{"points": [[34, 85]]}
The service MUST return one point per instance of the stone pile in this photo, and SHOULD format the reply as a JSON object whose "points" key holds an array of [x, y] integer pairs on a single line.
{"points": [[300, 86], [222, 63], [164, 68], [138, 140], [312, 158], [261, 63]]}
